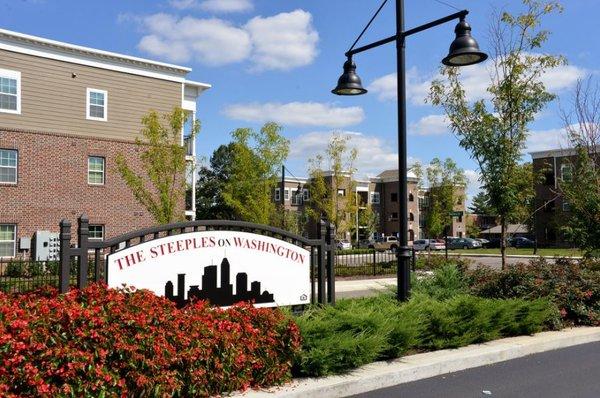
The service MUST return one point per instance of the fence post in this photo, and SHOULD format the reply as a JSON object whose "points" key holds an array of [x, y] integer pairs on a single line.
{"points": [[321, 296], [374, 262], [414, 259], [82, 243], [330, 240], [65, 256]]}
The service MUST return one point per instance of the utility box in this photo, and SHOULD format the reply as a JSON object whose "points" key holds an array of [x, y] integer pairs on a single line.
{"points": [[45, 246], [25, 243]]}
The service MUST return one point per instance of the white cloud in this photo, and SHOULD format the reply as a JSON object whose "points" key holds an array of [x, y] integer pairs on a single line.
{"points": [[430, 125], [284, 41], [475, 79], [218, 6], [542, 140], [374, 153], [212, 41], [297, 114], [281, 42], [473, 184]]}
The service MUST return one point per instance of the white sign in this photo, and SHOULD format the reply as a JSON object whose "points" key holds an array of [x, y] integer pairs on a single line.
{"points": [[223, 267]]}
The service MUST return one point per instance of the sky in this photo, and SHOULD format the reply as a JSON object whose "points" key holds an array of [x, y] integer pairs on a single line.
{"points": [[277, 60]]}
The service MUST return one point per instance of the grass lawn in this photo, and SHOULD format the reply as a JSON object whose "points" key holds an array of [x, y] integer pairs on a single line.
{"points": [[564, 252]]}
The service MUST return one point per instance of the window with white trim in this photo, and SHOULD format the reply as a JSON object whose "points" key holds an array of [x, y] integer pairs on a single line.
{"points": [[277, 194], [286, 194], [10, 91], [305, 194], [95, 170], [375, 197], [566, 206], [8, 166], [96, 232], [97, 104], [341, 192], [8, 240], [296, 198], [566, 172]]}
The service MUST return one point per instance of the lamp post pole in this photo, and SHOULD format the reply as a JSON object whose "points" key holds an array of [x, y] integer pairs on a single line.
{"points": [[463, 51], [403, 251]]}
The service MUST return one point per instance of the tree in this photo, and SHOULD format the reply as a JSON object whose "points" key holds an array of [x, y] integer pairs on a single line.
{"points": [[444, 179], [210, 204], [494, 132], [161, 188], [332, 196], [257, 156], [481, 204], [582, 190]]}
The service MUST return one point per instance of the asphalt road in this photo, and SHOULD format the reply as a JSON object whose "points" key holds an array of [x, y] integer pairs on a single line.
{"points": [[566, 373]]}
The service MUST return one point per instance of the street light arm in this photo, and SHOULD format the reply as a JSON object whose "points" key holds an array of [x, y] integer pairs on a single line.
{"points": [[456, 15]]}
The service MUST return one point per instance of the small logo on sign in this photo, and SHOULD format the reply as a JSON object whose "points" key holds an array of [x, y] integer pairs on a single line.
{"points": [[303, 297]]}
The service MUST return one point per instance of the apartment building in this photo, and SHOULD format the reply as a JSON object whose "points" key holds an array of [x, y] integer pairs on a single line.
{"points": [[66, 111], [552, 210], [381, 194]]}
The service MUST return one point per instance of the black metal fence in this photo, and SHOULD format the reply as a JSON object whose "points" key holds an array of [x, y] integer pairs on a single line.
{"points": [[370, 262]]}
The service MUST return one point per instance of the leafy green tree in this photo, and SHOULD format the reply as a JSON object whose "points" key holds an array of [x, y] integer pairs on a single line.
{"points": [[210, 204], [494, 132], [581, 187], [445, 181], [257, 156], [481, 204], [161, 188], [332, 195]]}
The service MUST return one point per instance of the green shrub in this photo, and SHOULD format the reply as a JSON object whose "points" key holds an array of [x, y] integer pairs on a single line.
{"points": [[14, 269], [359, 331], [573, 286], [435, 261], [446, 282]]}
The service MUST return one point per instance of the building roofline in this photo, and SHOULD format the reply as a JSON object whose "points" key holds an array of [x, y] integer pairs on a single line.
{"points": [[46, 48], [559, 152]]}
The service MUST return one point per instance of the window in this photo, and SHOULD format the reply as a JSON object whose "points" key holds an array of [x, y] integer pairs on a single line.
{"points": [[411, 197], [95, 170], [277, 194], [566, 206], [566, 172], [287, 194], [8, 166], [296, 197], [375, 197], [97, 104], [394, 216], [10, 91], [96, 232], [305, 194], [394, 197], [8, 239], [411, 216], [341, 192]]}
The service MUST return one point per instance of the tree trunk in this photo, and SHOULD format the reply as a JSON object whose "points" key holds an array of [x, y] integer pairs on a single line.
{"points": [[503, 241]]}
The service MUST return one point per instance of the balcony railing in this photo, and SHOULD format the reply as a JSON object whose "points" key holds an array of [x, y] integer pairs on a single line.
{"points": [[190, 146]]}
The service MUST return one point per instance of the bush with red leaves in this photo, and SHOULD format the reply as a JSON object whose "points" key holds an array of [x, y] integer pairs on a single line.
{"points": [[105, 342]]}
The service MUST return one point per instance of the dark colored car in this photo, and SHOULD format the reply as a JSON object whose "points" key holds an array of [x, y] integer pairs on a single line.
{"points": [[522, 242], [463, 243]]}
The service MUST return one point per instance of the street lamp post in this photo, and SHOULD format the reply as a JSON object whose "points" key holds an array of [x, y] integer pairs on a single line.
{"points": [[464, 50]]}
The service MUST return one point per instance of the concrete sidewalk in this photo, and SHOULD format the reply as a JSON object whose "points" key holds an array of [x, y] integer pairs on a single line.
{"points": [[354, 285], [420, 366]]}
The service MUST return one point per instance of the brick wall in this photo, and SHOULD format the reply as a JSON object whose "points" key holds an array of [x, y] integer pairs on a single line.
{"points": [[52, 184]]}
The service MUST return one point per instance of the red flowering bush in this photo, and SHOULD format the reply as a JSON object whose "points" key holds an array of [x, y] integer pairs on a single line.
{"points": [[106, 342], [574, 286]]}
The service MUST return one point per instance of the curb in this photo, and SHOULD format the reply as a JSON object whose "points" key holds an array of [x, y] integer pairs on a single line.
{"points": [[421, 366], [528, 256]]}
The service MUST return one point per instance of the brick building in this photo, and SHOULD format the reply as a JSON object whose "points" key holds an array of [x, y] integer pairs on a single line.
{"points": [[66, 111], [381, 194]]}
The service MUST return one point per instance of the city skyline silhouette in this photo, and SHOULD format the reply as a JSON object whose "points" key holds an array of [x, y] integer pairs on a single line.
{"points": [[220, 296]]}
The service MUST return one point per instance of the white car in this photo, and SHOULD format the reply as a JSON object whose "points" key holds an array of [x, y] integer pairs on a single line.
{"points": [[344, 245], [425, 244]]}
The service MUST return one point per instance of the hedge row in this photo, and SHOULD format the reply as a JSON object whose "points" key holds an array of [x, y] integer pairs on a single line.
{"points": [[103, 342]]}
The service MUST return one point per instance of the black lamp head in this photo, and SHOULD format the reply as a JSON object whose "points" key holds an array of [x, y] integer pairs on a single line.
{"points": [[349, 83], [464, 50]]}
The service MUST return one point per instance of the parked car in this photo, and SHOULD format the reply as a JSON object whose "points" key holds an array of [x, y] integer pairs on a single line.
{"points": [[521, 241], [463, 243], [484, 242], [387, 243], [366, 244], [344, 245], [426, 244]]}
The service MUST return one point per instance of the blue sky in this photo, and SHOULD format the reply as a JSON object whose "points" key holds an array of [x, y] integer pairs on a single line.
{"points": [[279, 59]]}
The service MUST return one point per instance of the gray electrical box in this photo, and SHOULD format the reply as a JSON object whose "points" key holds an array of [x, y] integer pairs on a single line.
{"points": [[45, 246], [25, 243]]}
